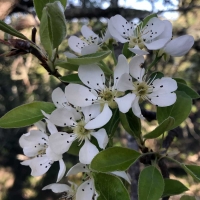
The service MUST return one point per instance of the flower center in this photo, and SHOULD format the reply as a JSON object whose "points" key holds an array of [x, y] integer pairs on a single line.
{"points": [[141, 89], [81, 132], [136, 40], [108, 95]]}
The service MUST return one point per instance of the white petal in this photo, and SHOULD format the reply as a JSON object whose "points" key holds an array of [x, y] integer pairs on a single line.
{"points": [[91, 112], [86, 190], [51, 127], [58, 98], [45, 114], [87, 32], [138, 51], [62, 170], [167, 33], [61, 142], [136, 69], [106, 36], [87, 152], [125, 83], [123, 175], [164, 85], [153, 29], [57, 187], [79, 167], [101, 119], [92, 76], [91, 48], [76, 44], [163, 100], [79, 95], [52, 155], [157, 44], [102, 137], [116, 33], [136, 108], [41, 126], [179, 46], [124, 103], [121, 68], [38, 165], [62, 117]]}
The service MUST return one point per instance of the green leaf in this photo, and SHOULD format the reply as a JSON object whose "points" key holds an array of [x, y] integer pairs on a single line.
{"points": [[110, 187], [8, 29], [176, 110], [126, 52], [67, 65], [189, 91], [151, 184], [89, 59], [105, 68], [159, 130], [193, 170], [186, 197], [173, 187], [114, 159], [40, 4], [56, 22], [26, 114], [45, 33], [155, 75], [180, 80], [72, 78], [131, 123], [112, 125], [147, 18]]}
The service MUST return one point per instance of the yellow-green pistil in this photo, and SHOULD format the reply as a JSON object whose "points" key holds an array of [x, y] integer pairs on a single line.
{"points": [[142, 89], [108, 95], [81, 132]]}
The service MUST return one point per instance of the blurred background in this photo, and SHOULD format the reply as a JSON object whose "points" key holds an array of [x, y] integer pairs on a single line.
{"points": [[23, 80]]}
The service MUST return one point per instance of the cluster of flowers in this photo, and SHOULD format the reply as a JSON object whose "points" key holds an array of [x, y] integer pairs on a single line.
{"points": [[85, 109]]}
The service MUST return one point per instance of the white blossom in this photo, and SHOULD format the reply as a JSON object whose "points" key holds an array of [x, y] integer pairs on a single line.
{"points": [[96, 92], [82, 129], [90, 43], [154, 35], [177, 47], [159, 92], [35, 145], [87, 191]]}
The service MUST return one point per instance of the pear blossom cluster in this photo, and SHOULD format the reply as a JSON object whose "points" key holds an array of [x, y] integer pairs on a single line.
{"points": [[83, 110]]}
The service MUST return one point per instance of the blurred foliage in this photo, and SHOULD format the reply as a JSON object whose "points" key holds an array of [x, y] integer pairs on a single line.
{"points": [[23, 80]]}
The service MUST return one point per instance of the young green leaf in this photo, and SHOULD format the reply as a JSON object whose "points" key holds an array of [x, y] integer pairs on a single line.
{"points": [[26, 114], [40, 4], [112, 125], [131, 123], [176, 110], [72, 78], [126, 52], [57, 22], [89, 59], [151, 184], [193, 170], [8, 29], [114, 159], [110, 187], [45, 33], [173, 187], [189, 91], [159, 130], [180, 80], [67, 65]]}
